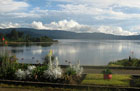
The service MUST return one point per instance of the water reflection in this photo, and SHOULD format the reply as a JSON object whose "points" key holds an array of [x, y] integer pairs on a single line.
{"points": [[89, 52], [37, 51], [17, 51], [27, 44]]}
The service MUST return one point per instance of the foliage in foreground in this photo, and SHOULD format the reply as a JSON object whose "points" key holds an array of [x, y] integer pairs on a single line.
{"points": [[10, 69], [8, 66], [134, 62], [97, 79]]}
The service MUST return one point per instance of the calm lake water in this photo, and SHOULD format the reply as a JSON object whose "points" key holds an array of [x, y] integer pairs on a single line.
{"points": [[89, 52]]}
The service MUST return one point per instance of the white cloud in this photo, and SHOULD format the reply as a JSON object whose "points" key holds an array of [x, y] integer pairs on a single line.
{"points": [[115, 30], [24, 15], [64, 25], [34, 13], [97, 12], [74, 26], [100, 9], [80, 9], [11, 5], [9, 25], [105, 3], [38, 25]]}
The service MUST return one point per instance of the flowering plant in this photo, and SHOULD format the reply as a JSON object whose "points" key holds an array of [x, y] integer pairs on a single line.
{"points": [[74, 69], [54, 71], [29, 71], [20, 74]]}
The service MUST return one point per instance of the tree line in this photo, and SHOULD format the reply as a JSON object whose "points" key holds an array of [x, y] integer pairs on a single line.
{"points": [[19, 36]]}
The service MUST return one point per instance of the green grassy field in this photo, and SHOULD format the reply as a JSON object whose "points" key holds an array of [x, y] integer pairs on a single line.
{"points": [[97, 79]]}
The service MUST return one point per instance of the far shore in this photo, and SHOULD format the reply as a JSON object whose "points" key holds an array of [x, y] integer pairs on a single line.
{"points": [[28, 42]]}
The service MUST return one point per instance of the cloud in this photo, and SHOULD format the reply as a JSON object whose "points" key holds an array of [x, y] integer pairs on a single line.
{"points": [[100, 9], [105, 15], [9, 25], [80, 9], [11, 5], [97, 12], [105, 3], [64, 25], [60, 25], [115, 30], [34, 13], [74, 26], [38, 25]]}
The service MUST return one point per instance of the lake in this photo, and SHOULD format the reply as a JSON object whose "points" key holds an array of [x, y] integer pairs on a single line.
{"points": [[89, 52]]}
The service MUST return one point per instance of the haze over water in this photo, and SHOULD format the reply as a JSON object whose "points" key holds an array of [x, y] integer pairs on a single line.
{"points": [[89, 52]]}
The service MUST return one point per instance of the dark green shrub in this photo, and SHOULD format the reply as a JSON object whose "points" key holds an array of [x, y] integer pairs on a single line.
{"points": [[107, 71]]}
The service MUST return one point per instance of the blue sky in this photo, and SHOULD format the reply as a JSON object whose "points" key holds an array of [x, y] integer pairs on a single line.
{"points": [[119, 17]]}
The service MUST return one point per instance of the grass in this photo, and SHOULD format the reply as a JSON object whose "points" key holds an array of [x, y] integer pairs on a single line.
{"points": [[12, 87], [133, 62], [97, 79]]}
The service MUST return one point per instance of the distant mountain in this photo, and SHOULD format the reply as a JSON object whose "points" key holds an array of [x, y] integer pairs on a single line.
{"points": [[60, 34]]}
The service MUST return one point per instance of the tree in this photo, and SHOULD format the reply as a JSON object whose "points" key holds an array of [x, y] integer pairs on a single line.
{"points": [[14, 34], [21, 34], [27, 38]]}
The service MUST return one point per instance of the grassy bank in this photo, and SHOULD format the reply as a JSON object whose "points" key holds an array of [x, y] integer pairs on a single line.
{"points": [[97, 79], [131, 62]]}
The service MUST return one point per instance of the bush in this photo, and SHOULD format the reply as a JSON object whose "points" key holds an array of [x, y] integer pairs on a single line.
{"points": [[107, 71]]}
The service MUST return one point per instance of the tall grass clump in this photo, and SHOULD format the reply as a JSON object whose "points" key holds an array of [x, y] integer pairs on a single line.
{"points": [[8, 66]]}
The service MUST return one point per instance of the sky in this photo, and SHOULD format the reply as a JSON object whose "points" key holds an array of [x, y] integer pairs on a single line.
{"points": [[119, 17]]}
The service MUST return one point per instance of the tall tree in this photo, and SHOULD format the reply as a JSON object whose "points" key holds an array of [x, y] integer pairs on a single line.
{"points": [[14, 34]]}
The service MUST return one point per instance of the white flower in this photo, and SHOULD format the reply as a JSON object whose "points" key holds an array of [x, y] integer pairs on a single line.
{"points": [[20, 74], [56, 62], [57, 72], [31, 68], [29, 71], [77, 68], [54, 71], [53, 74]]}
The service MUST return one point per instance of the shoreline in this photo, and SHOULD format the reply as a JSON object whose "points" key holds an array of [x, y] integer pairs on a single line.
{"points": [[29, 42]]}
